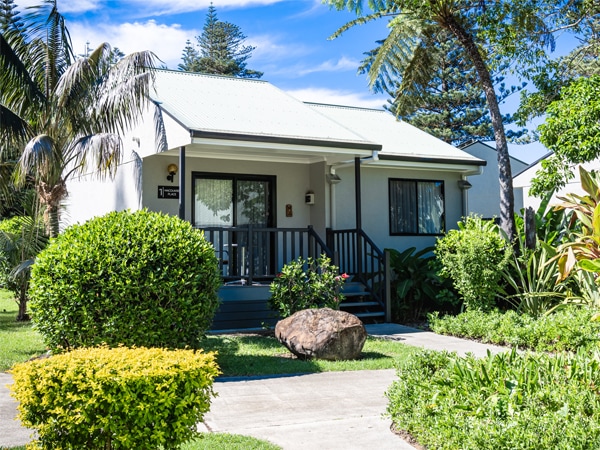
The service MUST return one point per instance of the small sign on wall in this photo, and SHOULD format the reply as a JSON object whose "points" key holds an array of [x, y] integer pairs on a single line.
{"points": [[168, 192]]}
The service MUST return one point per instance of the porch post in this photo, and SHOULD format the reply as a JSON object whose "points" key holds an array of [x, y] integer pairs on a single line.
{"points": [[182, 182], [357, 193], [357, 200]]}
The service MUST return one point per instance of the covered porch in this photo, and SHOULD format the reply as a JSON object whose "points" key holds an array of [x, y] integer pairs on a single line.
{"points": [[252, 252]]}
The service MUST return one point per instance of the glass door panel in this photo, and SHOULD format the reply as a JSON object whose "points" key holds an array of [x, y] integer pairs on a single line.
{"points": [[252, 203], [213, 203], [252, 209]]}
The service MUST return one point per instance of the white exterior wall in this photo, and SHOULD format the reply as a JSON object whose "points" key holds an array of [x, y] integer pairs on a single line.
{"points": [[375, 203], [293, 181], [484, 196], [89, 196], [523, 181]]}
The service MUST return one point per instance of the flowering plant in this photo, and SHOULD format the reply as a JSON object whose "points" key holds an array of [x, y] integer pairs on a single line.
{"points": [[304, 284]]}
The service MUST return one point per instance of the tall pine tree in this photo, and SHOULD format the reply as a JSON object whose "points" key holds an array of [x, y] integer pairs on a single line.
{"points": [[449, 104], [220, 50], [9, 17]]}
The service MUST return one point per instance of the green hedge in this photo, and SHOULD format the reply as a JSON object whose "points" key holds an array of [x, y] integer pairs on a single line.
{"points": [[570, 328], [118, 398], [137, 279], [506, 401]]}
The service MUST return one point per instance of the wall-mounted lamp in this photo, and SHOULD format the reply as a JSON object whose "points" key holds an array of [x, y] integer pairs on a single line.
{"points": [[464, 185], [309, 198], [333, 178], [172, 170]]}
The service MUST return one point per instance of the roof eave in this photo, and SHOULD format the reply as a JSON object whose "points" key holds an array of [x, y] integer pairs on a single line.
{"points": [[285, 140], [432, 160]]}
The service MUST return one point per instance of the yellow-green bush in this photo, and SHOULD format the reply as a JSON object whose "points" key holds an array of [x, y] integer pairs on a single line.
{"points": [[119, 398]]}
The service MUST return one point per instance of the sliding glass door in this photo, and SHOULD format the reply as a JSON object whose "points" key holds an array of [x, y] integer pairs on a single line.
{"points": [[237, 201]]}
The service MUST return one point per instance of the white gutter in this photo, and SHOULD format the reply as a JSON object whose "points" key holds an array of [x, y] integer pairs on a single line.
{"points": [[366, 160]]}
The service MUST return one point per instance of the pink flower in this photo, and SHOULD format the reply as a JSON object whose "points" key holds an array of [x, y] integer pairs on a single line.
{"points": [[345, 276]]}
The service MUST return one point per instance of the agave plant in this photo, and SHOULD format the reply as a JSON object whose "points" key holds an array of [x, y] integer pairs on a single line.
{"points": [[65, 114]]}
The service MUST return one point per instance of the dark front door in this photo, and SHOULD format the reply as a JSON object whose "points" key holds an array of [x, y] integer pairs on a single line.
{"points": [[241, 202]]}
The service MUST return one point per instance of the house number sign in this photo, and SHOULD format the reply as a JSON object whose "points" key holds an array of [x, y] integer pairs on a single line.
{"points": [[168, 192]]}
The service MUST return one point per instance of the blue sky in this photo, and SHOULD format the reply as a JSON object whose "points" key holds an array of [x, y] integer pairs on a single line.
{"points": [[290, 36]]}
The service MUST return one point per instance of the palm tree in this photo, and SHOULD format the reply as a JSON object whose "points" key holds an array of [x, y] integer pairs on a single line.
{"points": [[405, 54], [21, 239], [65, 114]]}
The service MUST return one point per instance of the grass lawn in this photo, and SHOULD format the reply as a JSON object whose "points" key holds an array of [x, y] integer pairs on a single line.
{"points": [[18, 342], [248, 355], [221, 441]]}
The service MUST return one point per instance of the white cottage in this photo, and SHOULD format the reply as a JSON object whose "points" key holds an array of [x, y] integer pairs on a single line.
{"points": [[524, 179], [270, 178]]}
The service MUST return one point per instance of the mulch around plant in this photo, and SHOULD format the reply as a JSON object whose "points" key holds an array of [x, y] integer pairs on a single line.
{"points": [[406, 436]]}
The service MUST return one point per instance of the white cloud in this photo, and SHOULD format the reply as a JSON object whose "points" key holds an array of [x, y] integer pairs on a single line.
{"points": [[335, 97], [80, 6], [145, 8], [166, 41], [64, 6], [341, 64], [269, 48], [164, 7]]}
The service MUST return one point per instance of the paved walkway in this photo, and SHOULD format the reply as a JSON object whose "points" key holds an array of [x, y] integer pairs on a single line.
{"points": [[323, 411]]}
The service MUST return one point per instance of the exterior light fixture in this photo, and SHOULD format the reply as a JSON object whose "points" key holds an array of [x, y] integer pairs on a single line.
{"points": [[172, 170], [464, 185], [333, 178]]}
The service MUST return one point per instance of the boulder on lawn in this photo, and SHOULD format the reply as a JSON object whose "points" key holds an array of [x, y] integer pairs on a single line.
{"points": [[322, 333]]}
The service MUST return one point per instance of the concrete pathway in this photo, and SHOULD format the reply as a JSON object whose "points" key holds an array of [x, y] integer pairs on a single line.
{"points": [[323, 411]]}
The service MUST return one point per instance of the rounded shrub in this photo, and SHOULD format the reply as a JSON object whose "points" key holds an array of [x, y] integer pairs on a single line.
{"points": [[473, 257], [115, 398], [137, 279]]}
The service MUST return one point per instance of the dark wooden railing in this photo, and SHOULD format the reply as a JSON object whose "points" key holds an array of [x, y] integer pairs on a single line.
{"points": [[357, 255], [252, 254]]}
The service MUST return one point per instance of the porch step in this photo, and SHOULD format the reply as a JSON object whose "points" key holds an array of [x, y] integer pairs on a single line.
{"points": [[358, 301], [370, 314], [358, 304]]}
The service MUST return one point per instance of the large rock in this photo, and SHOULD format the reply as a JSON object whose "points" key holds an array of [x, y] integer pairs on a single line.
{"points": [[323, 334]]}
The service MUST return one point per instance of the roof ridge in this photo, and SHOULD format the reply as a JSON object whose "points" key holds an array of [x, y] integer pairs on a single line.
{"points": [[211, 75]]}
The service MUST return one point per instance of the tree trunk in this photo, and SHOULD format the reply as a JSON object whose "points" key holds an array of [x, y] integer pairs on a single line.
{"points": [[51, 220], [22, 314], [51, 196], [507, 201]]}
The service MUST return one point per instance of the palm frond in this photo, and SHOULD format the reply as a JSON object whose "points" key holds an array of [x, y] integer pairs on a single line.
{"points": [[120, 106], [51, 44], [98, 153], [356, 6], [358, 21], [6, 170], [77, 90], [17, 88], [160, 133], [416, 76], [42, 159], [397, 50], [13, 129]]}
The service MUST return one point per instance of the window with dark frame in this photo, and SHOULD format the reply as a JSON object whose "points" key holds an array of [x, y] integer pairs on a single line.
{"points": [[416, 207]]}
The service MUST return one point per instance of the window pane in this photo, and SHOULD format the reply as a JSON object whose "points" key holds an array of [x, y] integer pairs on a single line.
{"points": [[252, 203], [431, 207], [403, 206], [214, 202], [416, 207]]}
